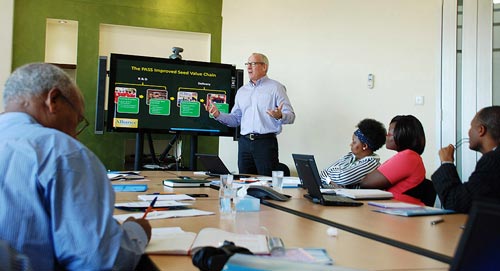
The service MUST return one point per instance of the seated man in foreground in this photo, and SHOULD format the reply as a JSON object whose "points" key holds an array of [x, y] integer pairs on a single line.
{"points": [[57, 202]]}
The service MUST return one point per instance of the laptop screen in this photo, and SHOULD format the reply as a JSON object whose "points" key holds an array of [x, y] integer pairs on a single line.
{"points": [[212, 163], [479, 246], [308, 174]]}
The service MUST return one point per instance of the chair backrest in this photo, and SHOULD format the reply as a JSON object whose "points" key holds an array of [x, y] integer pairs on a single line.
{"points": [[11, 259], [284, 168], [425, 192]]}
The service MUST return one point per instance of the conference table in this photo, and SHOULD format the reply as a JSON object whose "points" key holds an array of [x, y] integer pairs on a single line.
{"points": [[417, 234], [289, 221]]}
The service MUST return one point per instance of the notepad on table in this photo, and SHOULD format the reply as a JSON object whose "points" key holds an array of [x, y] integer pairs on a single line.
{"points": [[362, 193], [130, 187], [164, 214], [186, 182], [424, 210], [124, 176], [143, 205], [173, 240], [394, 205], [165, 197], [291, 182]]}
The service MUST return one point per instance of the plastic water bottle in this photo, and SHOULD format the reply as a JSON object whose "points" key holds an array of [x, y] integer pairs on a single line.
{"points": [[227, 204]]}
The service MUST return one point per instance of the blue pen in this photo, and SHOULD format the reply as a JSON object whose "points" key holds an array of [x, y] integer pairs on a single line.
{"points": [[162, 193], [150, 208]]}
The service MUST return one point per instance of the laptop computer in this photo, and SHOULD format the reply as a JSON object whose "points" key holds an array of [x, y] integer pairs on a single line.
{"points": [[478, 246], [320, 183], [308, 173], [214, 166]]}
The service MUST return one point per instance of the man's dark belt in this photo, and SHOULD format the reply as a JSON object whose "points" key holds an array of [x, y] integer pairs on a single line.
{"points": [[259, 136]]}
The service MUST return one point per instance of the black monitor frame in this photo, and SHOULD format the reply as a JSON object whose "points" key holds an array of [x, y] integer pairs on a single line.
{"points": [[171, 77]]}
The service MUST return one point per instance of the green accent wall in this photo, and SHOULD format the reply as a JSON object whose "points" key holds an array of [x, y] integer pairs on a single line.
{"points": [[185, 15]]}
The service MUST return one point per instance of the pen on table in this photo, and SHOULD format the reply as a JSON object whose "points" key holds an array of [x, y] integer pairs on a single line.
{"points": [[437, 221], [162, 193], [198, 195], [161, 209], [150, 208]]}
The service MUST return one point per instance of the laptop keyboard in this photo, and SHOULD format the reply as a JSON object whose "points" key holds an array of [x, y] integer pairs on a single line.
{"points": [[329, 186], [337, 198], [340, 200]]}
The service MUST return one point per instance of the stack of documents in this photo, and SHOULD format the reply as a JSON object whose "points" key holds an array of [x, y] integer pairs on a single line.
{"points": [[258, 263], [288, 181], [186, 182], [407, 209], [124, 175], [164, 214], [359, 193]]}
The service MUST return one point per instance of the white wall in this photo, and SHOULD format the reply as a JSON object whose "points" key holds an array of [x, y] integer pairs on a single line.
{"points": [[153, 42], [323, 51], [61, 41], [6, 29]]}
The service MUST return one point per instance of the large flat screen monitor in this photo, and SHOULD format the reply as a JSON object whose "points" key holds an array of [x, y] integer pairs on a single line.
{"points": [[162, 95]]}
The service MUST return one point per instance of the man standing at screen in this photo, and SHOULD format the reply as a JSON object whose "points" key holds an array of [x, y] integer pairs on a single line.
{"points": [[261, 106]]}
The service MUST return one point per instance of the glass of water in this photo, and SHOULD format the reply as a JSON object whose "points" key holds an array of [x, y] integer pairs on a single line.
{"points": [[227, 204], [277, 180]]}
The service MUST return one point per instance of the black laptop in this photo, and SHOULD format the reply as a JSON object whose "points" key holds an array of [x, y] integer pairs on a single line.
{"points": [[320, 183], [214, 166], [478, 248], [309, 175]]}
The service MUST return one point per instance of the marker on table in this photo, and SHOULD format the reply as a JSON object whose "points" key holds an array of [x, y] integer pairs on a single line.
{"points": [[150, 208], [434, 222]]}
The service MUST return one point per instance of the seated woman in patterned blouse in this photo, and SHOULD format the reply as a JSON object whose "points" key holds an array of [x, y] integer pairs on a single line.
{"points": [[350, 169]]}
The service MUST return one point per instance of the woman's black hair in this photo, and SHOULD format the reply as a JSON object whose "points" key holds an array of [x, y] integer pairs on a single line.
{"points": [[374, 131], [408, 133]]}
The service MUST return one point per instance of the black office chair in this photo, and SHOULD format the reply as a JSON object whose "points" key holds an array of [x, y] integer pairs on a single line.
{"points": [[284, 168], [425, 191], [11, 259]]}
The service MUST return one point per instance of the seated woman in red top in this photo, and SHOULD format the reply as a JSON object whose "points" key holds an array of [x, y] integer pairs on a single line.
{"points": [[405, 169]]}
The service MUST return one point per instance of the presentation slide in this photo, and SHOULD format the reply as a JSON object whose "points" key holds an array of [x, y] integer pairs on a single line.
{"points": [[166, 95]]}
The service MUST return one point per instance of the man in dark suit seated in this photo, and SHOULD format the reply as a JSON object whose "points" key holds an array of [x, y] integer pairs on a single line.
{"points": [[484, 182]]}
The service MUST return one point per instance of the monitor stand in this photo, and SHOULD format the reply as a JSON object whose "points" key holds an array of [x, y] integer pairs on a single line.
{"points": [[139, 150]]}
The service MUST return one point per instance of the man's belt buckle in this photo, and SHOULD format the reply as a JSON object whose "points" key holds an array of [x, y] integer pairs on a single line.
{"points": [[251, 136]]}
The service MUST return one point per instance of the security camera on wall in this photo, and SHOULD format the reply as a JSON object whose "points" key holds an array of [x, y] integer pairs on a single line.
{"points": [[176, 53]]}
